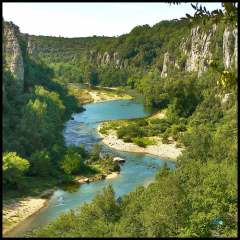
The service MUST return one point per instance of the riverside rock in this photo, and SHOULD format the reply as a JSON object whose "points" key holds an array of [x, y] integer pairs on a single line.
{"points": [[86, 180], [118, 159]]}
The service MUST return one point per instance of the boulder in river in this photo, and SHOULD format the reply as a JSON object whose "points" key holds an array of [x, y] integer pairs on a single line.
{"points": [[86, 180], [118, 159]]}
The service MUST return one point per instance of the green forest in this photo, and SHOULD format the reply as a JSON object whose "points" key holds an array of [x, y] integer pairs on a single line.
{"points": [[181, 202]]}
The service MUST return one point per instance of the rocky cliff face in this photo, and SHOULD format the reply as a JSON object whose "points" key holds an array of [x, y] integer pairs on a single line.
{"points": [[230, 58], [166, 62], [196, 55], [13, 52], [199, 52], [32, 47], [106, 58]]}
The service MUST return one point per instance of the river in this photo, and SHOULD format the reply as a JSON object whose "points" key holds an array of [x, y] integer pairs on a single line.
{"points": [[138, 169]]}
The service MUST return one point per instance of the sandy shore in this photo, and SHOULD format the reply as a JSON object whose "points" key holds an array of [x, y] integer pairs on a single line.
{"points": [[111, 175], [103, 97], [158, 149], [17, 211]]}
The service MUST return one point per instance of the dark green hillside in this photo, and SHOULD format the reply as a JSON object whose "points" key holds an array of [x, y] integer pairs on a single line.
{"points": [[131, 59], [141, 50], [59, 49]]}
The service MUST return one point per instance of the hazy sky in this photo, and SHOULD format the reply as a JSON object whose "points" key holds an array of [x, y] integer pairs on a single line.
{"points": [[84, 19]]}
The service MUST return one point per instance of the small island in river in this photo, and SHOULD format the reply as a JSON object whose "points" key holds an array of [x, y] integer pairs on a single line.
{"points": [[158, 149]]}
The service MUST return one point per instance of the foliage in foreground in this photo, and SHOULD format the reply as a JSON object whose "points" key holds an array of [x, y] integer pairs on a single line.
{"points": [[181, 203]]}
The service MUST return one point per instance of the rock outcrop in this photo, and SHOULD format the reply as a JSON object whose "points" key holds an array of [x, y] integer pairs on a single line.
{"points": [[166, 62], [235, 53], [199, 50], [12, 51], [106, 58], [198, 54], [32, 47], [118, 160], [229, 57]]}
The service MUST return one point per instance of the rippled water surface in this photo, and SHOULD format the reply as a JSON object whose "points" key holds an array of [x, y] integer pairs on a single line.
{"points": [[138, 169]]}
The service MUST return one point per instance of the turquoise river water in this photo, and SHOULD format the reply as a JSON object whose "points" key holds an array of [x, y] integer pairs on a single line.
{"points": [[138, 169]]}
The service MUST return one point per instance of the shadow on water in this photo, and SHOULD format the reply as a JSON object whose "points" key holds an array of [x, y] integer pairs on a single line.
{"points": [[70, 187]]}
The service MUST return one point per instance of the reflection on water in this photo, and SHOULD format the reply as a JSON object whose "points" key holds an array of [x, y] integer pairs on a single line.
{"points": [[70, 187]]}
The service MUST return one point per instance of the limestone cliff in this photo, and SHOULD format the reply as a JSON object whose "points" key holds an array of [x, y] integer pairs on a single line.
{"points": [[13, 52], [195, 51], [166, 62], [230, 58], [106, 58], [199, 52], [32, 47]]}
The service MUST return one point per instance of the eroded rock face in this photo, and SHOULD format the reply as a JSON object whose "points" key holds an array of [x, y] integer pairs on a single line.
{"points": [[235, 53], [166, 62], [118, 64], [164, 69], [230, 58], [199, 50], [115, 56], [13, 53], [196, 56], [32, 47], [105, 59]]}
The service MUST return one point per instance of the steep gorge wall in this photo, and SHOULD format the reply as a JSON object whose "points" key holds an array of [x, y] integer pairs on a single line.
{"points": [[13, 53], [196, 56], [199, 52], [12, 50], [230, 57]]}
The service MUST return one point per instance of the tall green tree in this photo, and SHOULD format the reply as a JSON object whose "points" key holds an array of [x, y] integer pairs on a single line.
{"points": [[34, 125], [13, 170]]}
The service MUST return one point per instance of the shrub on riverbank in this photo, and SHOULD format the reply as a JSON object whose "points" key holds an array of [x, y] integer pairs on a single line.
{"points": [[132, 130], [143, 142]]}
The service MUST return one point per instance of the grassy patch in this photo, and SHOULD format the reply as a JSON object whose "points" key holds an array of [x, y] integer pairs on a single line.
{"points": [[143, 142]]}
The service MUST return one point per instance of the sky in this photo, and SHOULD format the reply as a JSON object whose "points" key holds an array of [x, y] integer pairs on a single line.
{"points": [[85, 19]]}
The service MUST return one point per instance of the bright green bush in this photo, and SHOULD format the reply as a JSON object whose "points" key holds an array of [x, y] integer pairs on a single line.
{"points": [[132, 131], [178, 145], [175, 130], [103, 130], [143, 142], [71, 163], [13, 168], [139, 142]]}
